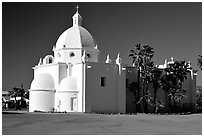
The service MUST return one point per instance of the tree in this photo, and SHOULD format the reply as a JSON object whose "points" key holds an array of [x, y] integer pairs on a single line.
{"points": [[146, 68], [141, 58], [199, 61], [136, 55], [18, 92], [199, 99], [151, 75], [172, 80], [133, 87], [155, 80], [146, 79]]}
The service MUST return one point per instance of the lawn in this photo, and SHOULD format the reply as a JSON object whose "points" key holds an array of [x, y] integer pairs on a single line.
{"points": [[100, 124]]}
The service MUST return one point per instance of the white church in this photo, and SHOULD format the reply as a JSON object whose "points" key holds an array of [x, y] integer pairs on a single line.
{"points": [[73, 80]]}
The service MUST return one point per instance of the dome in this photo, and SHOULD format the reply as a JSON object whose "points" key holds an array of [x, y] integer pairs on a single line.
{"points": [[43, 81], [75, 37], [68, 84]]}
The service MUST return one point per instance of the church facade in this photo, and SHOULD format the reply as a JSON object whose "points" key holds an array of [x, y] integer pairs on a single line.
{"points": [[73, 80]]}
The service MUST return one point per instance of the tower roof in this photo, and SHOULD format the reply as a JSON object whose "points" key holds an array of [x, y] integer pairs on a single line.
{"points": [[75, 37]]}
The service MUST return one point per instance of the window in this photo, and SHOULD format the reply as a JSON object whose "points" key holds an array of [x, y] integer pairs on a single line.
{"points": [[58, 55], [103, 81], [72, 54], [88, 55], [73, 104], [50, 60], [127, 82]]}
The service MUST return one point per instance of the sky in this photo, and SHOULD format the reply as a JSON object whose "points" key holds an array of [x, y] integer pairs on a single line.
{"points": [[29, 31]]}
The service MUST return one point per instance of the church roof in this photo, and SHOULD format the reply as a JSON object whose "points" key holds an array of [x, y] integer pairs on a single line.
{"points": [[43, 81], [76, 36], [68, 84]]}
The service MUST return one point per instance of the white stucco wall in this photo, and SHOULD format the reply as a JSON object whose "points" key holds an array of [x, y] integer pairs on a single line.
{"points": [[52, 69], [103, 98], [94, 53], [63, 101], [57, 71], [78, 72], [65, 55], [121, 91], [41, 100]]}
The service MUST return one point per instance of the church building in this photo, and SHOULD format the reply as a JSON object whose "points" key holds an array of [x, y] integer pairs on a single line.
{"points": [[73, 79]]}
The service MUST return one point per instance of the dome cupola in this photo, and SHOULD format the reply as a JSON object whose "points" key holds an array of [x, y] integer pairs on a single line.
{"points": [[73, 42], [77, 18], [76, 36]]}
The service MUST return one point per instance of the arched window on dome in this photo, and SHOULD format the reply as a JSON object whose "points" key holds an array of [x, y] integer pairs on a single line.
{"points": [[48, 59]]}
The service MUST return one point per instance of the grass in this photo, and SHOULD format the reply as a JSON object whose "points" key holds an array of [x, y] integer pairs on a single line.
{"points": [[99, 124]]}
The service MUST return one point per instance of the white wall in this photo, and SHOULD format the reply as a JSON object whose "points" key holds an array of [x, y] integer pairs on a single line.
{"points": [[122, 92], [63, 100], [65, 55], [103, 98], [41, 100], [52, 69], [78, 72], [94, 53], [57, 71]]}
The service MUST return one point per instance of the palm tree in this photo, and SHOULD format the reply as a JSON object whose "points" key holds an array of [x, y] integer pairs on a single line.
{"points": [[199, 61], [141, 58], [155, 80], [136, 56], [172, 80], [146, 67]]}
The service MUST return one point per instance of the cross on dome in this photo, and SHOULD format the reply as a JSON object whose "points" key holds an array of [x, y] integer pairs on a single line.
{"points": [[77, 7]]}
